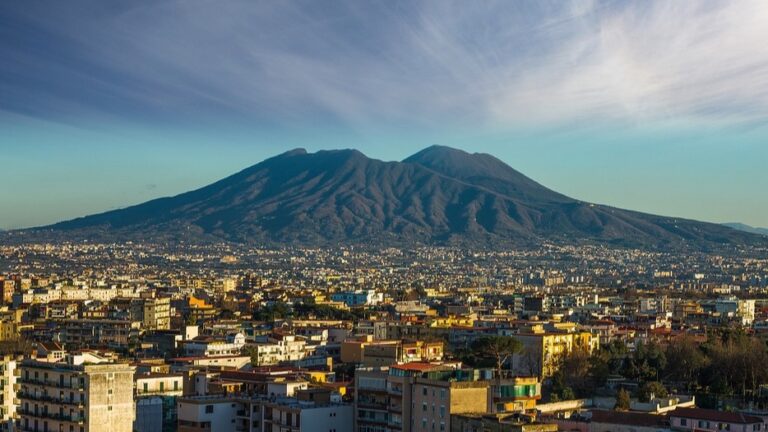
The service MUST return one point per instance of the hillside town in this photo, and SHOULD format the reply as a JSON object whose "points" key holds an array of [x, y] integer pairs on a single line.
{"points": [[152, 337]]}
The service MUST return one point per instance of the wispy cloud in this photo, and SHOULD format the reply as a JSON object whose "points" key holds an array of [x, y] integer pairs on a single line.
{"points": [[424, 64]]}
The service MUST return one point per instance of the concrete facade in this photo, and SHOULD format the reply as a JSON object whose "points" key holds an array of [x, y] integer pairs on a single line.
{"points": [[80, 393]]}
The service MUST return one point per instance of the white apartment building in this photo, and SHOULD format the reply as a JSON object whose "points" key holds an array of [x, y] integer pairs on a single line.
{"points": [[284, 348], [7, 390], [261, 414], [206, 346], [79, 393]]}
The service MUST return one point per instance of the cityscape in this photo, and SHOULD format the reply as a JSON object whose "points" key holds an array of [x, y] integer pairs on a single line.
{"points": [[312, 217]]}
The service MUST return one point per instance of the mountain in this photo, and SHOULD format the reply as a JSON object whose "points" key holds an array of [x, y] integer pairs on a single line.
{"points": [[747, 228], [439, 195]]}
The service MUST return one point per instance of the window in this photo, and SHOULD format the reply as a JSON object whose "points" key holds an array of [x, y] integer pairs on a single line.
{"points": [[442, 394], [683, 422], [424, 406], [424, 391], [208, 409]]}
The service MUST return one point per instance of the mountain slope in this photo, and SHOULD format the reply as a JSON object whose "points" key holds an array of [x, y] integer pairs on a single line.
{"points": [[438, 195], [747, 228]]}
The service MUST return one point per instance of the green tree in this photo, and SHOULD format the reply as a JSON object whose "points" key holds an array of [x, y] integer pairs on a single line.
{"points": [[497, 348], [622, 400], [685, 361], [646, 363], [651, 389], [736, 364], [574, 375]]}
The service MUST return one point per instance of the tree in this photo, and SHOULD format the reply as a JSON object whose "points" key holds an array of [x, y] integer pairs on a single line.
{"points": [[646, 363], [253, 352], [685, 360], [650, 390], [737, 363], [574, 375], [622, 400], [497, 348]]}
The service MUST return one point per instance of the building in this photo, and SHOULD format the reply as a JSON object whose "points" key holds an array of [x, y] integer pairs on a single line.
{"points": [[498, 423], [543, 348], [7, 390], [98, 333], [369, 352], [156, 395], [698, 419], [153, 384], [423, 397], [313, 410], [358, 298], [81, 392], [279, 349], [207, 346], [156, 313]]}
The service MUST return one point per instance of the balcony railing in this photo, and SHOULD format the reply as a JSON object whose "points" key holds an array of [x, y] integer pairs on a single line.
{"points": [[49, 398], [75, 418], [57, 384]]}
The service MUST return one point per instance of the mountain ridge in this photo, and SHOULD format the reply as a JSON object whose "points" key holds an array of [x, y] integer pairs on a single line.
{"points": [[438, 195], [747, 228]]}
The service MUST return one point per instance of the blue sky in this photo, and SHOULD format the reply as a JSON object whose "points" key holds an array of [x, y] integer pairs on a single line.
{"points": [[654, 106]]}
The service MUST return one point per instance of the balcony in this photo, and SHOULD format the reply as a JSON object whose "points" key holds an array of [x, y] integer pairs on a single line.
{"points": [[75, 418], [48, 398], [56, 384]]}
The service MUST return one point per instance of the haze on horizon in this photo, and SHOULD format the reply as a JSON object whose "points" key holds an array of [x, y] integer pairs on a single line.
{"points": [[648, 105]]}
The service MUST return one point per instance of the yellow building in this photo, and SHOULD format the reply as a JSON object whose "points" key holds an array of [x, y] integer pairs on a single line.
{"points": [[453, 321], [11, 324], [543, 349]]}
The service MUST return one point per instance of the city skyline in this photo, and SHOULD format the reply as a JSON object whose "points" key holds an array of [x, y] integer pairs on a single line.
{"points": [[649, 106]]}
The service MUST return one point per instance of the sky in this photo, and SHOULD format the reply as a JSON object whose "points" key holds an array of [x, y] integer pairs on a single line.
{"points": [[658, 106]]}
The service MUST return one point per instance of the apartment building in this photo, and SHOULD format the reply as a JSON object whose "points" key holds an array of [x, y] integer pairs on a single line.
{"points": [[278, 349], [156, 395], [82, 392], [358, 298], [544, 347], [154, 313], [8, 401], [98, 332], [698, 419], [369, 352], [208, 346], [422, 397], [312, 410]]}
